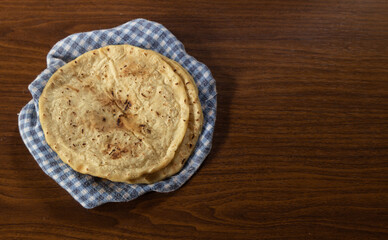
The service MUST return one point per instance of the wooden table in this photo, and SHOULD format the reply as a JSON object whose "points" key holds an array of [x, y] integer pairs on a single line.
{"points": [[301, 142]]}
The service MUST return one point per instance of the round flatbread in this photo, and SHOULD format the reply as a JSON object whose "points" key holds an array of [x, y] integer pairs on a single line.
{"points": [[117, 112], [193, 130]]}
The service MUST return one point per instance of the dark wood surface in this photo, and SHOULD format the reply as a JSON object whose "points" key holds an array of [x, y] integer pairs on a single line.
{"points": [[301, 143]]}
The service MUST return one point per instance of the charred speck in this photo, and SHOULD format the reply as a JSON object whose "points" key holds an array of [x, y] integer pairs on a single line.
{"points": [[103, 119], [112, 151]]}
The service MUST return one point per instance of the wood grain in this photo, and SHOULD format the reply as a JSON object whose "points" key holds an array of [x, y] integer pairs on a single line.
{"points": [[301, 143]]}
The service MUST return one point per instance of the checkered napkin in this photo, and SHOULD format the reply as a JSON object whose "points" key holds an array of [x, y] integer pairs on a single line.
{"points": [[92, 191]]}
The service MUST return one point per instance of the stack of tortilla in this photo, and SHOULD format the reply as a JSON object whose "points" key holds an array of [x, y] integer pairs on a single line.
{"points": [[122, 113]]}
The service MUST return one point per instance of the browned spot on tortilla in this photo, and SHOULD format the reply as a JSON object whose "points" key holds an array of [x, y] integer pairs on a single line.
{"points": [[127, 105], [90, 88], [119, 123], [72, 88], [115, 151], [134, 70]]}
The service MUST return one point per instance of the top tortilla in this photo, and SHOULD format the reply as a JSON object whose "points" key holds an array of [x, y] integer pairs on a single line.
{"points": [[117, 112]]}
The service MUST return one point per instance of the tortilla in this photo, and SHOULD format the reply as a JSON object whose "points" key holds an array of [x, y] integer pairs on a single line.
{"points": [[117, 112]]}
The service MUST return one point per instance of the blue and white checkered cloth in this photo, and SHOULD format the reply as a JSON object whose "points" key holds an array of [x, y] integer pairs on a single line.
{"points": [[91, 191]]}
